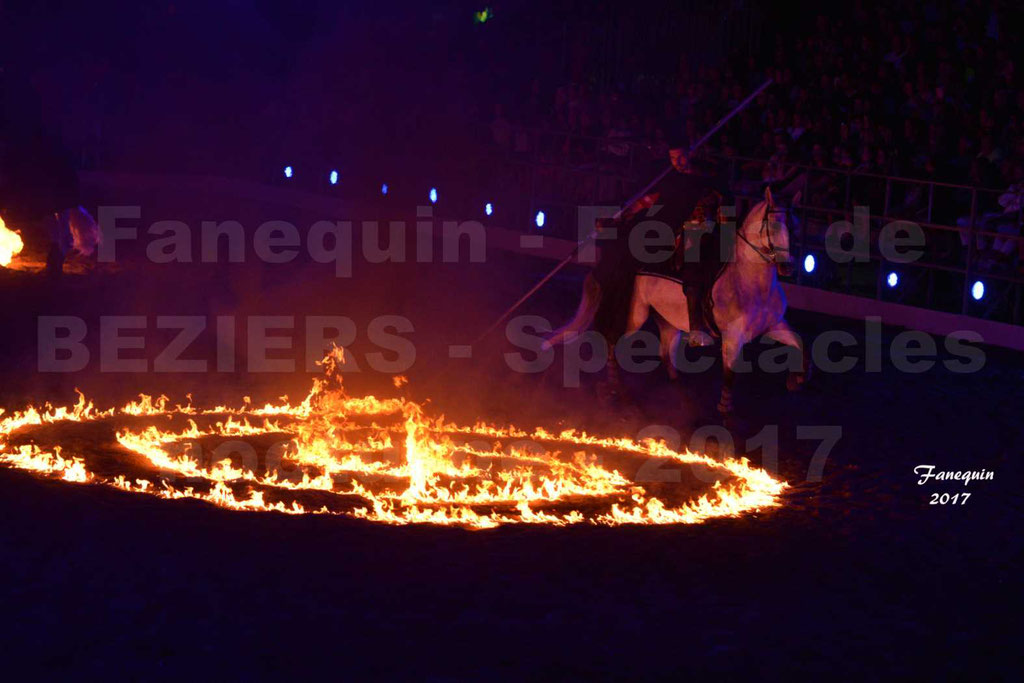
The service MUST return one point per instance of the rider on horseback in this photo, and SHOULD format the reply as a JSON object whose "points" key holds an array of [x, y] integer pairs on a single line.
{"points": [[690, 200]]}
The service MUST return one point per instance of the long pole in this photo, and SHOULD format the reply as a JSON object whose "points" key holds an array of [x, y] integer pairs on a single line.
{"points": [[618, 214]]}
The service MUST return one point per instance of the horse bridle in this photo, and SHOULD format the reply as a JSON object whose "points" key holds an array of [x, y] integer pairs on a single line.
{"points": [[771, 254]]}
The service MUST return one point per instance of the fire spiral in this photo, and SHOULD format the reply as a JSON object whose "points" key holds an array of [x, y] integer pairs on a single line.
{"points": [[378, 459]]}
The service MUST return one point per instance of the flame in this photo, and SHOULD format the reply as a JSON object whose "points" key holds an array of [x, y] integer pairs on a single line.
{"points": [[10, 244], [383, 460]]}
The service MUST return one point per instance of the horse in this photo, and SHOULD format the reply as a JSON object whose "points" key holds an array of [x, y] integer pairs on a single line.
{"points": [[747, 301]]}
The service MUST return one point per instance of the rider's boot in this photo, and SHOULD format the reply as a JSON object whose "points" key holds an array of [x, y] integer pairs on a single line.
{"points": [[695, 305]]}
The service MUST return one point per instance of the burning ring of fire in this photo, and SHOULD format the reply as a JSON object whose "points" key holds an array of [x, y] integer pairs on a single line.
{"points": [[382, 460]]}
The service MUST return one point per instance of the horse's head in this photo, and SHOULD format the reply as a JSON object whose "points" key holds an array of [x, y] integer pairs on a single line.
{"points": [[766, 231]]}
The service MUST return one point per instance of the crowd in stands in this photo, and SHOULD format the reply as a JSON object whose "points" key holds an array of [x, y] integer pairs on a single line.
{"points": [[927, 90]]}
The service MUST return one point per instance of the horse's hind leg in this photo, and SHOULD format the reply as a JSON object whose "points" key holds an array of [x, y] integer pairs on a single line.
{"points": [[668, 335], [612, 390], [613, 370], [639, 309], [784, 334]]}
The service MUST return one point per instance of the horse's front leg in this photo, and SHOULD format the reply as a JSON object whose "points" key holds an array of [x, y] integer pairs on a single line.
{"points": [[784, 334], [732, 347]]}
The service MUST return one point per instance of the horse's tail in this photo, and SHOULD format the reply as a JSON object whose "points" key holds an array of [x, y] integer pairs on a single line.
{"points": [[589, 303]]}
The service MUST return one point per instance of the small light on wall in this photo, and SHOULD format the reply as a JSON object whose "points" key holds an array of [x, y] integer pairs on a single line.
{"points": [[978, 290]]}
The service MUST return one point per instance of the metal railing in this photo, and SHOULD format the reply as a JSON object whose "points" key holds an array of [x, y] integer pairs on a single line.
{"points": [[959, 246]]}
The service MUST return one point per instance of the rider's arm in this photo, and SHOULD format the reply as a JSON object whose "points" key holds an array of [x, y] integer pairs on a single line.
{"points": [[641, 204]]}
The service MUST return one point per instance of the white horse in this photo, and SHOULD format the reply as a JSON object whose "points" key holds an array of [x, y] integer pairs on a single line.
{"points": [[748, 300]]}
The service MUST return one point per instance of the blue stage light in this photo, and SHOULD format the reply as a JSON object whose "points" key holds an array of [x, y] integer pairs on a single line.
{"points": [[893, 279], [978, 290], [334, 177], [384, 188], [288, 172], [809, 263], [433, 195], [488, 208], [539, 220]]}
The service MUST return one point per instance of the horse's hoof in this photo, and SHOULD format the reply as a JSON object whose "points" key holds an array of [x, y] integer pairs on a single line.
{"points": [[610, 394], [796, 381]]}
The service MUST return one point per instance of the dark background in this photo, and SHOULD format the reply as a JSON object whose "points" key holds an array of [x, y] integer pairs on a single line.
{"points": [[854, 577]]}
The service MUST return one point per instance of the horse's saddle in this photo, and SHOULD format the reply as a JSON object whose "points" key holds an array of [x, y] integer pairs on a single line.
{"points": [[699, 264]]}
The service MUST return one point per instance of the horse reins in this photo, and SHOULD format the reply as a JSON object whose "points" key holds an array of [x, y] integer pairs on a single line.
{"points": [[772, 251]]}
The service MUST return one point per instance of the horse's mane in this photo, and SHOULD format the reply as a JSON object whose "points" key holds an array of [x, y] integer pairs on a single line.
{"points": [[756, 214], [750, 220]]}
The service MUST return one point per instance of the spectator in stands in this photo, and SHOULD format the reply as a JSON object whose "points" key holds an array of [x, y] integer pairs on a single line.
{"points": [[919, 77], [998, 252]]}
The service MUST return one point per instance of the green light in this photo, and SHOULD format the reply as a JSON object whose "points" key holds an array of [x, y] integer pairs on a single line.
{"points": [[483, 15]]}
